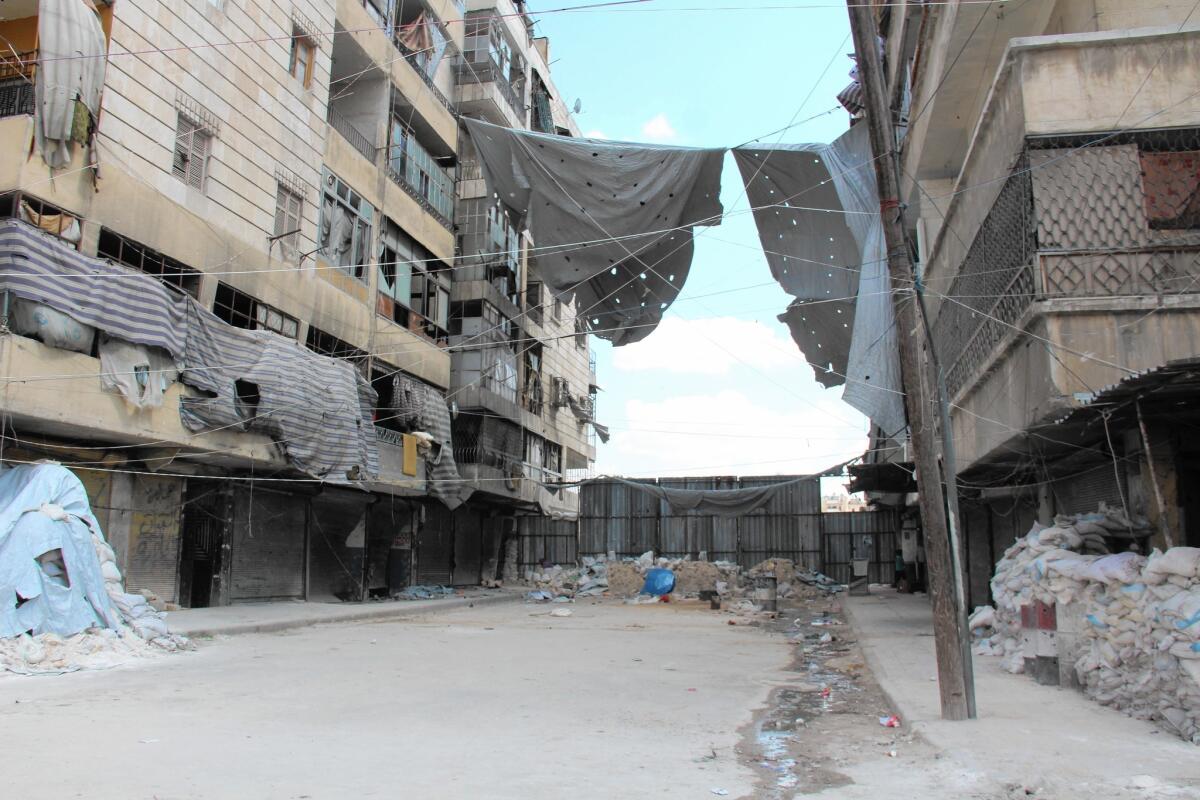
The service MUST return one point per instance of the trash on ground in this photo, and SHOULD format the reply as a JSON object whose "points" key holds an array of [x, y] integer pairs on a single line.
{"points": [[890, 722], [561, 612]]}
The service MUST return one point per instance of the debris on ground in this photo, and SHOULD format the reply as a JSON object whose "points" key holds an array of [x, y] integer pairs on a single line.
{"points": [[723, 583], [1129, 624], [63, 604], [424, 592]]}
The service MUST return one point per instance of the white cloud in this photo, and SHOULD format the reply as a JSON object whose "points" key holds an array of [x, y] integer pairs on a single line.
{"points": [[658, 129], [728, 433], [711, 346], [595, 134]]}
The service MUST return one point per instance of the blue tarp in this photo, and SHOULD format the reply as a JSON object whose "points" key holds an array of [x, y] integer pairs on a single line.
{"points": [[43, 508]]}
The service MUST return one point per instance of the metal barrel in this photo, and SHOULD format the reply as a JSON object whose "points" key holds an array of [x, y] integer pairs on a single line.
{"points": [[765, 592]]}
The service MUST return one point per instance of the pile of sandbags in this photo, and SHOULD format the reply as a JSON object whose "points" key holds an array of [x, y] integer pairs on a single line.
{"points": [[1129, 624], [1141, 650], [142, 612]]}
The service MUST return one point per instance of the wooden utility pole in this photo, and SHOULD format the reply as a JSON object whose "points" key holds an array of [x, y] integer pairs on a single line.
{"points": [[951, 639]]}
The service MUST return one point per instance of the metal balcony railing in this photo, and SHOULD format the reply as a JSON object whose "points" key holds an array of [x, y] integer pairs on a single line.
{"points": [[490, 72], [357, 139], [413, 168], [17, 72]]}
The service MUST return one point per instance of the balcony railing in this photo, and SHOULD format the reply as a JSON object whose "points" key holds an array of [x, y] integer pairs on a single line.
{"points": [[412, 168], [1072, 221], [357, 139], [490, 72], [16, 83]]}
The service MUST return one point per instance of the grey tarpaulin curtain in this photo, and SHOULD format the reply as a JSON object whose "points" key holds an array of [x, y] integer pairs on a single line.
{"points": [[319, 408], [721, 502], [635, 203], [833, 263], [71, 61], [421, 407]]}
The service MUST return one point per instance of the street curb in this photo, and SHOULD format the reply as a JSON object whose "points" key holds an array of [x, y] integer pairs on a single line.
{"points": [[389, 610], [874, 663]]}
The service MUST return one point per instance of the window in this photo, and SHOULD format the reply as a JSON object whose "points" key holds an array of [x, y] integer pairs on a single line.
{"points": [[192, 145], [329, 345], [243, 311], [288, 211], [174, 274], [345, 227], [533, 301], [303, 54], [581, 333], [558, 309], [411, 279], [531, 397]]}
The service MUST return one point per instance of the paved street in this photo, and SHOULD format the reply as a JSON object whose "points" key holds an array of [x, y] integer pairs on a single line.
{"points": [[496, 702]]}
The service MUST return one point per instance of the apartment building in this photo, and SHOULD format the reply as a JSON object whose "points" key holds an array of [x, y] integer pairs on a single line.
{"points": [[290, 168], [1049, 157]]}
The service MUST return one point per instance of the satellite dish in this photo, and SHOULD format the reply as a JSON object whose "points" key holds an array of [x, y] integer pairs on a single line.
{"points": [[578, 105]]}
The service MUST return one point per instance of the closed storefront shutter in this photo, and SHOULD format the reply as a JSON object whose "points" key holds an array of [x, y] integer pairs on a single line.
{"points": [[268, 545], [1083, 493], [468, 547], [434, 542], [154, 517]]}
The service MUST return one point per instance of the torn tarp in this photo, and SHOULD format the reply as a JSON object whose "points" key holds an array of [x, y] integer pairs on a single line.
{"points": [[611, 222], [583, 412], [817, 212], [70, 74], [318, 408], [50, 578], [421, 407]]}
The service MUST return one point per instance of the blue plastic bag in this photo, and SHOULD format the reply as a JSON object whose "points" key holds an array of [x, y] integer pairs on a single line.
{"points": [[659, 582]]}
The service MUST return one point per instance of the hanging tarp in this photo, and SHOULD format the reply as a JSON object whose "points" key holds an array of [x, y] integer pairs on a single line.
{"points": [[318, 408], [421, 407], [70, 75], [719, 502], [634, 205], [817, 211]]}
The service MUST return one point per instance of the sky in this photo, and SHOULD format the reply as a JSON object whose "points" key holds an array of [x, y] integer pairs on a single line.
{"points": [[719, 388]]}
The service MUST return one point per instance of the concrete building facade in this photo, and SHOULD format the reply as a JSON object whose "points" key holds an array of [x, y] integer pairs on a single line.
{"points": [[1049, 161], [294, 168]]}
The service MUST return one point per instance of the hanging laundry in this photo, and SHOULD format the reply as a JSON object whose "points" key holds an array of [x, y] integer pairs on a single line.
{"points": [[71, 59], [612, 222], [817, 212], [415, 36]]}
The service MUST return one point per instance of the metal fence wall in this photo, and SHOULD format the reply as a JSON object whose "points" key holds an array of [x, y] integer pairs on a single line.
{"points": [[546, 541], [861, 534], [618, 518]]}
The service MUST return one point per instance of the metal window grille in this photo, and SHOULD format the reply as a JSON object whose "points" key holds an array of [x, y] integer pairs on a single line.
{"points": [[124, 250], [16, 83]]}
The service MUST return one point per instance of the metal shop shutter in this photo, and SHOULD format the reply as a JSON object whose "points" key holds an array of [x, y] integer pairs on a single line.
{"points": [[268, 545], [154, 525], [434, 543], [468, 548]]}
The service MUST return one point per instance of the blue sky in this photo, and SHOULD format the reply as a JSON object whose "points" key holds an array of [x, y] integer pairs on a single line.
{"points": [[719, 388]]}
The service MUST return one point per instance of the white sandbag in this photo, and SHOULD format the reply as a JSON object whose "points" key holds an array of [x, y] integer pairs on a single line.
{"points": [[1179, 561], [983, 617], [1123, 568]]}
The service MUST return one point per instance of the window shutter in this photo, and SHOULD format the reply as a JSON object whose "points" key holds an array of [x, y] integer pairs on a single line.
{"points": [[183, 147], [198, 162]]}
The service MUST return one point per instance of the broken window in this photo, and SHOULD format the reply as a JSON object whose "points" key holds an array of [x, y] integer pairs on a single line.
{"points": [[531, 394], [345, 227], [243, 311], [124, 250]]}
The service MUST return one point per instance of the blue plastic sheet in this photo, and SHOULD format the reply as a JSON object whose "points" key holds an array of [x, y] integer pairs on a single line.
{"points": [[659, 582]]}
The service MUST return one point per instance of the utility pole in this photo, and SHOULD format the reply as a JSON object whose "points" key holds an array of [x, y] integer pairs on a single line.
{"points": [[951, 639]]}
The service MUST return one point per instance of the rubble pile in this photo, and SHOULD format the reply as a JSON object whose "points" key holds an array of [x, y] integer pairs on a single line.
{"points": [[625, 578], [1138, 618]]}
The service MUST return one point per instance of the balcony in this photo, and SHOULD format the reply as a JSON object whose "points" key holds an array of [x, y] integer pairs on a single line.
{"points": [[1064, 254], [16, 83], [353, 136], [413, 168]]}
